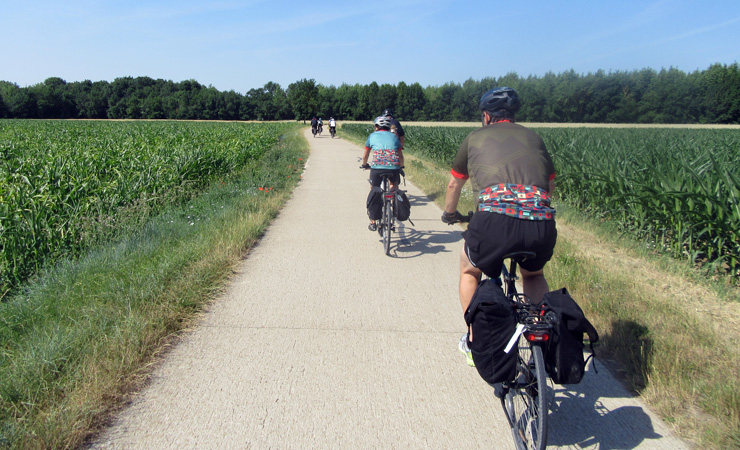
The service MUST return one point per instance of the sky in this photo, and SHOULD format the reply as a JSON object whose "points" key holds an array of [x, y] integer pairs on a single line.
{"points": [[242, 45]]}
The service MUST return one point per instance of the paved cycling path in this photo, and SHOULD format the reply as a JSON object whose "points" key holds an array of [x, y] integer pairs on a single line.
{"points": [[322, 341]]}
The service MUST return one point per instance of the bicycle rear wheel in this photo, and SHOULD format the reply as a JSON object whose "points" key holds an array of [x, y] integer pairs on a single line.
{"points": [[526, 404], [387, 224]]}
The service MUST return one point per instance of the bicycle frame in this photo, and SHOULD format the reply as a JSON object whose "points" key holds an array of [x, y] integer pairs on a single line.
{"points": [[389, 214], [528, 314]]}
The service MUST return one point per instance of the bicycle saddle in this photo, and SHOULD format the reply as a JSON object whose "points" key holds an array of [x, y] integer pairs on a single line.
{"points": [[520, 256]]}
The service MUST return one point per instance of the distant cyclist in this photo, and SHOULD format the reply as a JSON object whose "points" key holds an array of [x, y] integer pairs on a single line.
{"points": [[396, 127], [513, 175], [314, 125], [320, 125], [387, 157], [332, 125]]}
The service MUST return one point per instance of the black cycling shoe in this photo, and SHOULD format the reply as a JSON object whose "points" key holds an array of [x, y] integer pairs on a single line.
{"points": [[372, 227]]}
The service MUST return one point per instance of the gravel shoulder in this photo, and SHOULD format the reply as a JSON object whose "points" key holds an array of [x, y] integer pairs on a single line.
{"points": [[322, 341]]}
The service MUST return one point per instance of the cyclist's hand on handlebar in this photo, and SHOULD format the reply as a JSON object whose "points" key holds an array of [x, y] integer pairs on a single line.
{"points": [[450, 218], [365, 166]]}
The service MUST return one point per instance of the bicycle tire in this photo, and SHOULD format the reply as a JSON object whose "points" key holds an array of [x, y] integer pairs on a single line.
{"points": [[526, 404], [387, 226]]}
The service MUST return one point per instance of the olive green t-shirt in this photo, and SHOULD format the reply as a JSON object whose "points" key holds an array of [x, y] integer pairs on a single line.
{"points": [[503, 152]]}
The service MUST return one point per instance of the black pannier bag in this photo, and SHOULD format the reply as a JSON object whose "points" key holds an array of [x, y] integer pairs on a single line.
{"points": [[491, 316], [403, 206], [375, 203], [564, 360]]}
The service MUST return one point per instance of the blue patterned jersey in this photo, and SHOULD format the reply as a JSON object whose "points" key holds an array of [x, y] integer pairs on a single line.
{"points": [[384, 147]]}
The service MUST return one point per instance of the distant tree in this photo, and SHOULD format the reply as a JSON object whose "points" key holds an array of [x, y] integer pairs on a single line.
{"points": [[54, 101], [231, 106], [268, 102], [720, 87], [440, 101], [327, 102], [4, 110], [20, 102], [346, 100], [91, 99], [368, 107], [6, 90], [303, 98], [410, 102], [387, 95], [644, 96]]}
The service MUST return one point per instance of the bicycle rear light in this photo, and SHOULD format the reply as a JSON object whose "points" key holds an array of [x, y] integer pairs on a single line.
{"points": [[537, 336]]}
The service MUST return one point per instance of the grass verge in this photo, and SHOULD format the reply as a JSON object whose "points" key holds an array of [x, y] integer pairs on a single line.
{"points": [[672, 338], [84, 335]]}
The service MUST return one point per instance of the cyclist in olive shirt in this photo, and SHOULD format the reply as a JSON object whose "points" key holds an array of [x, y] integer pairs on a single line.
{"points": [[513, 174]]}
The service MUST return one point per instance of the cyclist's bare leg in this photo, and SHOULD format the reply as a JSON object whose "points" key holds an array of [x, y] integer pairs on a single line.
{"points": [[469, 278], [534, 284]]}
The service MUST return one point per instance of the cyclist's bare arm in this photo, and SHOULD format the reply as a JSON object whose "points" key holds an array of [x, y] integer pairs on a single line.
{"points": [[452, 197]]}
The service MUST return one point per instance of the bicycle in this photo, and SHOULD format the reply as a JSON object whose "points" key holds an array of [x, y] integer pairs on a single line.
{"points": [[333, 131], [388, 215], [526, 398], [314, 130]]}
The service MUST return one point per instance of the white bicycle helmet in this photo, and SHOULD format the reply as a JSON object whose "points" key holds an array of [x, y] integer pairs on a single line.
{"points": [[382, 122]]}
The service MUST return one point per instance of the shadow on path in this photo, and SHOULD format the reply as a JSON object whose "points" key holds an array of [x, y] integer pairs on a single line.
{"points": [[408, 242], [579, 417]]}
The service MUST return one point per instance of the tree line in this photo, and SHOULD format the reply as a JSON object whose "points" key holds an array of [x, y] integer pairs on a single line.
{"points": [[709, 96]]}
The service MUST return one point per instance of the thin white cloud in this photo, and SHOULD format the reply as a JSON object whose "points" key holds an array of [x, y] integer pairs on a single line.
{"points": [[701, 30]]}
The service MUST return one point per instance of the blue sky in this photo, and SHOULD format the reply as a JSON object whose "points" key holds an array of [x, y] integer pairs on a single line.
{"points": [[240, 45]]}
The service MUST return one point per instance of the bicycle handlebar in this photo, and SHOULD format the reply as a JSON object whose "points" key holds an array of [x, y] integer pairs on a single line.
{"points": [[403, 174]]}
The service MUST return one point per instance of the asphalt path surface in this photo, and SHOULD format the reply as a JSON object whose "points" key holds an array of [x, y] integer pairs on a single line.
{"points": [[323, 341]]}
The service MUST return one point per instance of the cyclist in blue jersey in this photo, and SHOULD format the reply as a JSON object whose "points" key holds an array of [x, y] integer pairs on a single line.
{"points": [[387, 157]]}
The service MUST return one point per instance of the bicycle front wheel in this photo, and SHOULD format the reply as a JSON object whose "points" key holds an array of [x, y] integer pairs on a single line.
{"points": [[387, 224], [526, 403]]}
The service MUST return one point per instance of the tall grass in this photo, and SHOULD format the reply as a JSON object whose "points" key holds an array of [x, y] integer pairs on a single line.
{"points": [[76, 340], [63, 184], [677, 188]]}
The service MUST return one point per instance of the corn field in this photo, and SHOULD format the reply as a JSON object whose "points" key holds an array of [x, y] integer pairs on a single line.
{"points": [[64, 185], [676, 189]]}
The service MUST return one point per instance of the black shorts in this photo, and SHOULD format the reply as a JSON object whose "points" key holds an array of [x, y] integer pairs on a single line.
{"points": [[491, 236], [375, 176]]}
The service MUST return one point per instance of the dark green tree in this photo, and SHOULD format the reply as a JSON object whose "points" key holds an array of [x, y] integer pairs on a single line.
{"points": [[346, 99], [720, 88], [410, 102], [303, 98], [327, 101], [386, 99]]}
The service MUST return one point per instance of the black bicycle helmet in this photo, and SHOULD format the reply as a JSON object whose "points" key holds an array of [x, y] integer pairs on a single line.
{"points": [[387, 112], [502, 101]]}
